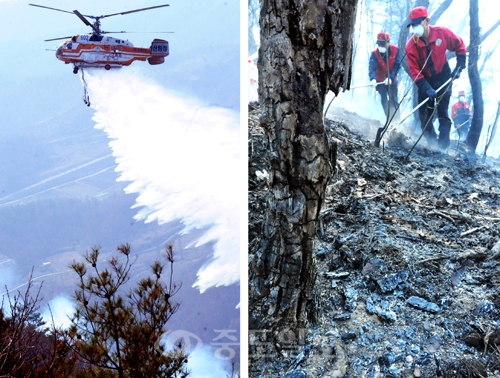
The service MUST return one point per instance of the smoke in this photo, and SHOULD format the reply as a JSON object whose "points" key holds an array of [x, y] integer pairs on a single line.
{"points": [[8, 274], [61, 308], [204, 361], [181, 158], [200, 360]]}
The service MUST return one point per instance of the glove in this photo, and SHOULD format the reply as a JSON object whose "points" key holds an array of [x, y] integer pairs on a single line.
{"points": [[373, 82], [460, 66], [424, 87], [431, 93], [387, 81]]}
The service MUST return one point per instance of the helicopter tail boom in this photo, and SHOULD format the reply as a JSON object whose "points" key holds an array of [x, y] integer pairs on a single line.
{"points": [[159, 50]]}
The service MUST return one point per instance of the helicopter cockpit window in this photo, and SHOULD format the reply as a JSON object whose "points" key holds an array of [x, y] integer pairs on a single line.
{"points": [[95, 38], [69, 45]]}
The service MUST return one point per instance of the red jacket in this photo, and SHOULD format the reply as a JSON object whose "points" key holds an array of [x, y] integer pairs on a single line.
{"points": [[440, 39], [378, 67], [460, 108]]}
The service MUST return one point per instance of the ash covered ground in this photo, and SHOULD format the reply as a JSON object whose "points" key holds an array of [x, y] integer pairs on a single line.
{"points": [[408, 256]]}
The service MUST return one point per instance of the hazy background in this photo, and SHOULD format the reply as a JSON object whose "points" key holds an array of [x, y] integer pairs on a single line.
{"points": [[372, 17]]}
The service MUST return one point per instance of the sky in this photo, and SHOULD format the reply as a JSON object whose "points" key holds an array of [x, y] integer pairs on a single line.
{"points": [[173, 129]]}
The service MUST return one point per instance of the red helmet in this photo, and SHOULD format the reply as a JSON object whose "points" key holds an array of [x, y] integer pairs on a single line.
{"points": [[461, 93], [419, 12], [417, 15], [383, 37]]}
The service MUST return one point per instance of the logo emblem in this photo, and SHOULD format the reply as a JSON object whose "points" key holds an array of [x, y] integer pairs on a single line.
{"points": [[172, 338], [439, 41]]}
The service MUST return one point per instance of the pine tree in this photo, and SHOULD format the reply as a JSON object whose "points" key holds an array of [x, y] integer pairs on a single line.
{"points": [[118, 334]]}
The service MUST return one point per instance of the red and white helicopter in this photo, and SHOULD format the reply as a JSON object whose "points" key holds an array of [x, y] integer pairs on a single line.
{"points": [[99, 51]]}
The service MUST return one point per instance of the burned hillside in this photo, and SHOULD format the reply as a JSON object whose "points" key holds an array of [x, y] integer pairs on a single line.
{"points": [[408, 256]]}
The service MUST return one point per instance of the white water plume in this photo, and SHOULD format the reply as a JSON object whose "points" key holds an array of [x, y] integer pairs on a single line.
{"points": [[180, 156]]}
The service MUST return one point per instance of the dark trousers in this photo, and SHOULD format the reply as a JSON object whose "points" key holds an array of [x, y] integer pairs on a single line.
{"points": [[388, 97], [462, 124], [426, 113]]}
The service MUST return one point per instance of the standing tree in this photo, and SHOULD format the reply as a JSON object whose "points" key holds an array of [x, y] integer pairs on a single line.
{"points": [[474, 72], [474, 78], [116, 334], [306, 50]]}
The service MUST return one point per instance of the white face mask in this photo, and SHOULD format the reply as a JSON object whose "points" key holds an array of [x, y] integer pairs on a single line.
{"points": [[461, 98], [418, 30], [382, 50]]}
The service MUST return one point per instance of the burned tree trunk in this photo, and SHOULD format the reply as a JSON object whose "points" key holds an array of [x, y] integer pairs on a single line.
{"points": [[306, 50], [474, 78]]}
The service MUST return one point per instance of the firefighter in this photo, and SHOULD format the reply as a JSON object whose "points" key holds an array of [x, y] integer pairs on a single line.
{"points": [[383, 69], [429, 69], [461, 115]]}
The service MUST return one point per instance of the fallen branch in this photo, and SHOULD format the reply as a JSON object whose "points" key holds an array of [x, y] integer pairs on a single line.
{"points": [[471, 255], [471, 231], [435, 258], [372, 196], [418, 202], [458, 215], [445, 216], [489, 219]]}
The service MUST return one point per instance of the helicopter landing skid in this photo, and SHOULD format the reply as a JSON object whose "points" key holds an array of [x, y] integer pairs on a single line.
{"points": [[86, 98]]}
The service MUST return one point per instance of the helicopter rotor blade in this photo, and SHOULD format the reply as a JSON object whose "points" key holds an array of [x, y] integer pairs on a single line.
{"points": [[42, 6], [135, 10], [85, 21], [56, 39], [135, 32]]}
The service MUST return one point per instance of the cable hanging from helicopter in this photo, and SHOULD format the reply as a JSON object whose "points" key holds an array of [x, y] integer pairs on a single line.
{"points": [[86, 97]]}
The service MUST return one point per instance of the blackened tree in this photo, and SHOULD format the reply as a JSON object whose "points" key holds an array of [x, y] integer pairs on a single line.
{"points": [[474, 77], [306, 50]]}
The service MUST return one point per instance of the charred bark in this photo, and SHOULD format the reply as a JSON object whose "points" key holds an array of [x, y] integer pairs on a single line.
{"points": [[474, 78], [306, 50]]}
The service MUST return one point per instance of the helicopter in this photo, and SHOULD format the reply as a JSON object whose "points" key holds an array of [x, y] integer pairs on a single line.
{"points": [[99, 51]]}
